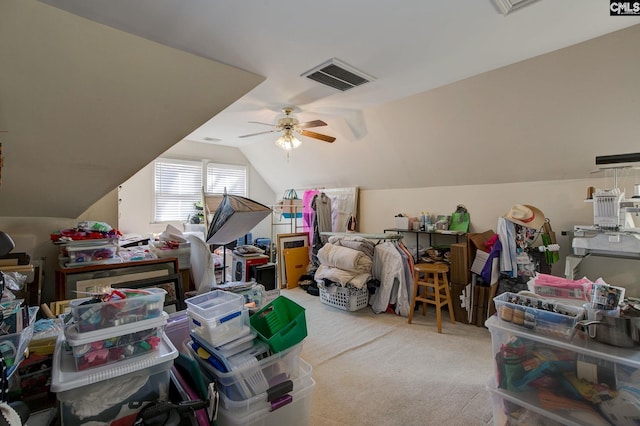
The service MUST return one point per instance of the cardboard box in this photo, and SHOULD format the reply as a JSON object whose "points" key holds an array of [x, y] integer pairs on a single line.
{"points": [[459, 264], [459, 310], [402, 222], [475, 242]]}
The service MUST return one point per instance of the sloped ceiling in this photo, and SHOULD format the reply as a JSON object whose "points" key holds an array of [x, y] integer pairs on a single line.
{"points": [[463, 95], [86, 106]]}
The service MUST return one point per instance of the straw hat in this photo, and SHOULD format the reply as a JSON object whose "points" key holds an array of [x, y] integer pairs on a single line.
{"points": [[525, 215]]}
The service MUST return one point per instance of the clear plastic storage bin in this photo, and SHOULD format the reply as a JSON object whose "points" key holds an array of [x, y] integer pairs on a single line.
{"points": [[136, 305], [215, 304], [296, 411], [221, 329], [113, 394], [101, 347], [541, 315], [96, 253], [247, 374]]}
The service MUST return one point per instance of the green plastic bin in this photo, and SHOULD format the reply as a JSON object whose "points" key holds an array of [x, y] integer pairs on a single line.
{"points": [[281, 324]]}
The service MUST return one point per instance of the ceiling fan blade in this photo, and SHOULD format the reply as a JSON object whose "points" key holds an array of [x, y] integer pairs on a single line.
{"points": [[317, 136], [259, 133], [308, 124], [259, 122]]}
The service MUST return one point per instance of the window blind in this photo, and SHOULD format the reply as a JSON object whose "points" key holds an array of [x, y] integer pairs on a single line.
{"points": [[178, 185], [221, 176]]}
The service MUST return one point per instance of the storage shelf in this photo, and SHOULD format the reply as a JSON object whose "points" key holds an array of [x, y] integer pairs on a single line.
{"points": [[431, 235]]}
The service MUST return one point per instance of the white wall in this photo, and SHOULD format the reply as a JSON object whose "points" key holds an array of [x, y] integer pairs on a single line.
{"points": [[135, 211], [33, 236], [562, 202]]}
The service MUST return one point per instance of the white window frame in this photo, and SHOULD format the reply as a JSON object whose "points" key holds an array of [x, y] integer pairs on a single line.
{"points": [[197, 194]]}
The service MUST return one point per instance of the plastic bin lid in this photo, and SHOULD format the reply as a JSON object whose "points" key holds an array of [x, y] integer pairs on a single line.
{"points": [[64, 376], [74, 337]]}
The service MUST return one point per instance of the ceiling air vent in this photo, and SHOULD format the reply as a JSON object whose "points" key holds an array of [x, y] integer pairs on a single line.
{"points": [[507, 6], [338, 75]]}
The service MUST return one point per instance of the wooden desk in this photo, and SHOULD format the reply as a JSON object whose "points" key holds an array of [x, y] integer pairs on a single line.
{"points": [[70, 280]]}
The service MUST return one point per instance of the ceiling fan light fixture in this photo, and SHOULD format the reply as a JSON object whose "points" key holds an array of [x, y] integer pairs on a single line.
{"points": [[288, 141]]}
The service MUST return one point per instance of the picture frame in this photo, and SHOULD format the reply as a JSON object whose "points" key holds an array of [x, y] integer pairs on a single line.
{"points": [[86, 287], [288, 241]]}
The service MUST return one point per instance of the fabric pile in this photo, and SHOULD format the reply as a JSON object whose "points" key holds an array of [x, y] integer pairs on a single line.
{"points": [[345, 261]]}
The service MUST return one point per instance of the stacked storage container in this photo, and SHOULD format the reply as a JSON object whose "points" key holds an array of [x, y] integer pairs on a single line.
{"points": [[255, 361], [113, 358]]}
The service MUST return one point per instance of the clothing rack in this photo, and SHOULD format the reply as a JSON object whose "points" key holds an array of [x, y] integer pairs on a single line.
{"points": [[384, 236]]}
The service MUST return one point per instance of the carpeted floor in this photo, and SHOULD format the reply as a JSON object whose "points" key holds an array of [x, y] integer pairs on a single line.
{"points": [[379, 370]]}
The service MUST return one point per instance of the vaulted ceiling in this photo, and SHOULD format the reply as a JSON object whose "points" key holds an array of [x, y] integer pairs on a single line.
{"points": [[92, 90]]}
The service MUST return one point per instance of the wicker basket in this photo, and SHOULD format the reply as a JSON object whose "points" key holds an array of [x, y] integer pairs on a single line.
{"points": [[346, 298]]}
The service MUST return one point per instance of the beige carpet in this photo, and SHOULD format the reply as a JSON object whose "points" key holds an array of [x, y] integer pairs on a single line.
{"points": [[378, 370]]}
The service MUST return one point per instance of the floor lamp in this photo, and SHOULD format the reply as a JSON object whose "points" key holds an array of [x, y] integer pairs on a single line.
{"points": [[234, 217]]}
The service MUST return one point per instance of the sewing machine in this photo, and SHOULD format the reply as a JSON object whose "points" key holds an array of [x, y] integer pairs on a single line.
{"points": [[611, 247], [616, 229]]}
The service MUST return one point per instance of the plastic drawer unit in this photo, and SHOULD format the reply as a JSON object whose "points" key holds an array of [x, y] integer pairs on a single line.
{"points": [[573, 382]]}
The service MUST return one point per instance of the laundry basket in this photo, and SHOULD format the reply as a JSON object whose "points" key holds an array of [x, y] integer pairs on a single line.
{"points": [[345, 298]]}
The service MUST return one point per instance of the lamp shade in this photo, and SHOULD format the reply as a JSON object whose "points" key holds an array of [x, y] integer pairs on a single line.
{"points": [[288, 141], [235, 217]]}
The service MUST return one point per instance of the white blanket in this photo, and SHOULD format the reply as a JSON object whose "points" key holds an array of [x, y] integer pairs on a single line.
{"points": [[342, 277], [345, 258]]}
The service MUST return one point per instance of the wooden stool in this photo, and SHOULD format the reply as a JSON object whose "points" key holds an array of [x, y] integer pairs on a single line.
{"points": [[433, 277]]}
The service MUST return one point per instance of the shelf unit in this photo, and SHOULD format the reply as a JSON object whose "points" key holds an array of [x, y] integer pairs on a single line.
{"points": [[431, 234], [295, 225], [623, 362]]}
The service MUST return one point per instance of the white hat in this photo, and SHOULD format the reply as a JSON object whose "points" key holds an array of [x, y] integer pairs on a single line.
{"points": [[525, 215]]}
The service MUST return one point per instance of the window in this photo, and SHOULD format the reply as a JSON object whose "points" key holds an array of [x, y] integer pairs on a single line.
{"points": [[179, 183], [221, 176]]}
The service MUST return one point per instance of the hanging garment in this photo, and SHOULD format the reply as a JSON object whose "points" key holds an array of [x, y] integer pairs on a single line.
{"points": [[322, 206], [507, 235], [308, 213], [323, 214], [389, 270], [403, 303]]}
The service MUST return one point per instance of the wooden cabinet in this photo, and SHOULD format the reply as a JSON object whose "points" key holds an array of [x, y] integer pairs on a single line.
{"points": [[72, 283]]}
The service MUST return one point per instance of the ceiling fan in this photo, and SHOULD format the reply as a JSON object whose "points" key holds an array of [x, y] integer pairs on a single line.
{"points": [[288, 125]]}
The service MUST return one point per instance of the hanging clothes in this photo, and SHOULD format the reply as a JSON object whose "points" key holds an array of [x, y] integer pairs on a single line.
{"points": [[321, 204], [507, 235], [308, 213], [404, 297], [388, 268]]}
